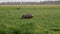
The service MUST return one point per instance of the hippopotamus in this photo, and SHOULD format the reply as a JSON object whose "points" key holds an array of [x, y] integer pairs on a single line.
{"points": [[27, 16]]}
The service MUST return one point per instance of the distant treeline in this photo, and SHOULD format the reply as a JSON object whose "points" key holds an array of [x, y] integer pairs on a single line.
{"points": [[31, 3]]}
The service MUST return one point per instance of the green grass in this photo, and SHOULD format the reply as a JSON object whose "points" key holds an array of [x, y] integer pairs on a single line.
{"points": [[44, 19]]}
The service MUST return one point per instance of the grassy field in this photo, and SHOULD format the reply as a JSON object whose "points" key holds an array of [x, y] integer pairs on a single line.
{"points": [[46, 20]]}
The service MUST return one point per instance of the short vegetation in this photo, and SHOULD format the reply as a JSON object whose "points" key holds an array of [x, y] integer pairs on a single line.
{"points": [[46, 20]]}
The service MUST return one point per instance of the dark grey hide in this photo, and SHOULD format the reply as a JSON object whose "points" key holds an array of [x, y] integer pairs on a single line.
{"points": [[27, 16]]}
